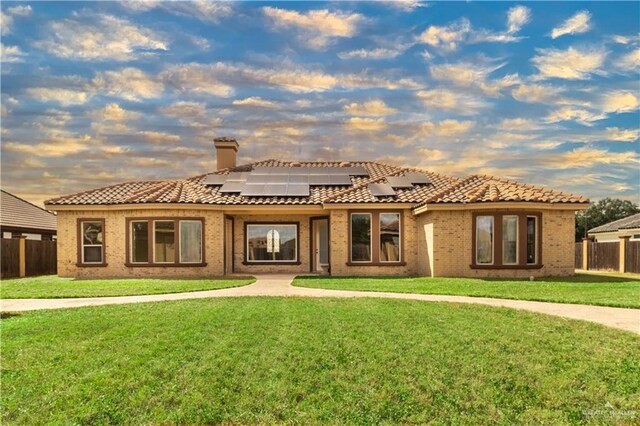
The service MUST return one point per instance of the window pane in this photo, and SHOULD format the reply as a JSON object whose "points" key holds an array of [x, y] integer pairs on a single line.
{"points": [[164, 240], [190, 241], [484, 239], [92, 233], [93, 254], [389, 237], [140, 242], [323, 231], [273, 243], [361, 237], [510, 239], [531, 239]]}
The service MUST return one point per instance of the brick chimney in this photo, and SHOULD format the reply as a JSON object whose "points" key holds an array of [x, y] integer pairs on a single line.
{"points": [[226, 150]]}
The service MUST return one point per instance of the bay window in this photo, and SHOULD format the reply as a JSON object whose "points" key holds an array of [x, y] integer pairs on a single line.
{"points": [[375, 238], [91, 242], [271, 243], [506, 240], [163, 241]]}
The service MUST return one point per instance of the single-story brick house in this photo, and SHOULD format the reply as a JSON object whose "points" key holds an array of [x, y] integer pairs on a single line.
{"points": [[342, 218]]}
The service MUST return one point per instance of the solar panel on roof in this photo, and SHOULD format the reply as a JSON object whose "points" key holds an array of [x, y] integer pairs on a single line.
{"points": [[356, 171], [298, 190], [232, 186], [399, 182], [215, 180], [254, 190], [340, 180], [381, 190], [275, 189], [237, 176], [417, 178], [296, 179], [259, 178]]}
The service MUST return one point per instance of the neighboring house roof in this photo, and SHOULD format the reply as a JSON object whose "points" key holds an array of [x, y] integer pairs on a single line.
{"points": [[194, 190], [18, 213], [630, 222]]}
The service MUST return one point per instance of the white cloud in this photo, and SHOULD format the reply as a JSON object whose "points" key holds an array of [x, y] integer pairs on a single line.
{"points": [[630, 61], [100, 38], [517, 17], [203, 10], [588, 157], [377, 53], [446, 128], [184, 110], [620, 101], [573, 64], [578, 23], [127, 83], [11, 54], [159, 137], [255, 101], [622, 135], [57, 145], [59, 95], [405, 5], [581, 116], [446, 37], [517, 125], [447, 100], [365, 124], [534, 93], [114, 112], [317, 28], [374, 107], [196, 78], [465, 74], [6, 19]]}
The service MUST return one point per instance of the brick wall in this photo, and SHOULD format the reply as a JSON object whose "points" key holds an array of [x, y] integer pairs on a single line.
{"points": [[115, 245], [449, 246], [340, 248]]}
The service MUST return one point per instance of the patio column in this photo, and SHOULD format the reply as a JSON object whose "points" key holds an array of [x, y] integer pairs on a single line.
{"points": [[623, 247]]}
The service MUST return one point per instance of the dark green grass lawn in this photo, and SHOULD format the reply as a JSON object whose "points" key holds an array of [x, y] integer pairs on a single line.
{"points": [[51, 287], [313, 361], [590, 289]]}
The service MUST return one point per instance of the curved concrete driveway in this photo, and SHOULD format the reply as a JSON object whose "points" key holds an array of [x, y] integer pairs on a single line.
{"points": [[280, 285]]}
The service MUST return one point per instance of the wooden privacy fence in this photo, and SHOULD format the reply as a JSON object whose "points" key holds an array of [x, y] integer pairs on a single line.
{"points": [[607, 256], [21, 257]]}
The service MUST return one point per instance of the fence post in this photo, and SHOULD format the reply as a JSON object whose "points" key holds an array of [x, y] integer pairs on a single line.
{"points": [[623, 253], [585, 254], [22, 258]]}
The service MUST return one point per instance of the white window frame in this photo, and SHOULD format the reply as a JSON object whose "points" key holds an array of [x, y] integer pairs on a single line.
{"points": [[180, 241], [83, 245], [493, 238], [535, 239], [517, 240], [246, 237], [399, 237], [131, 241], [153, 232], [370, 238]]}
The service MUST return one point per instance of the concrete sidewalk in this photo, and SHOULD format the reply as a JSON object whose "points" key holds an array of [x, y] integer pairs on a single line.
{"points": [[280, 285]]}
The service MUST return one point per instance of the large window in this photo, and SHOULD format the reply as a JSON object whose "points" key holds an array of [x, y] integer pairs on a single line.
{"points": [[361, 237], [484, 240], [389, 237], [507, 240], [91, 242], [273, 242], [376, 238], [165, 241]]}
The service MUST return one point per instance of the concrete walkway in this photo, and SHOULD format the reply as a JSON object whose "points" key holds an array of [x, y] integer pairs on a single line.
{"points": [[280, 285]]}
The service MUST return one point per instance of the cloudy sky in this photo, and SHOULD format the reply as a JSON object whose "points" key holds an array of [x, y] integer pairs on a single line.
{"points": [[96, 93]]}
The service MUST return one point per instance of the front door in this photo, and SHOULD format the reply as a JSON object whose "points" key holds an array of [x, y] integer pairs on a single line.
{"points": [[320, 245]]}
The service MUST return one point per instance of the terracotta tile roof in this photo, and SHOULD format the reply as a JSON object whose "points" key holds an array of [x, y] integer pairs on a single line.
{"points": [[442, 189], [18, 213], [629, 222], [479, 189]]}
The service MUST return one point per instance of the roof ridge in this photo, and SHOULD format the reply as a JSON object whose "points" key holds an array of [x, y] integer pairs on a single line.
{"points": [[446, 190], [28, 202], [89, 191], [531, 186]]}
